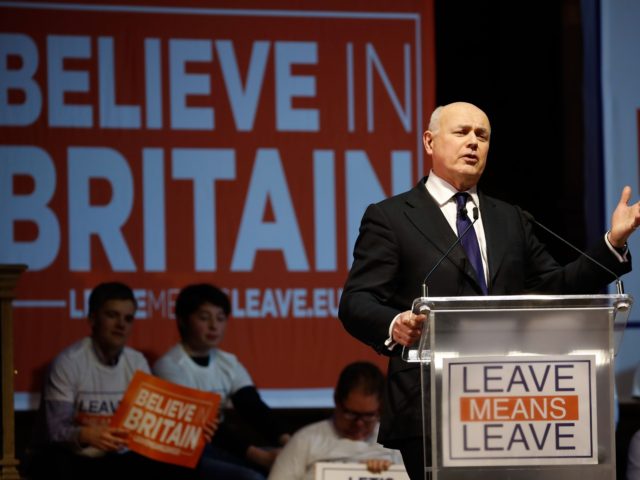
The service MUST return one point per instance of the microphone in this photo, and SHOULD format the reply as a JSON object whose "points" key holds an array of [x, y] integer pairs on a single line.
{"points": [[425, 290], [412, 354], [619, 285]]}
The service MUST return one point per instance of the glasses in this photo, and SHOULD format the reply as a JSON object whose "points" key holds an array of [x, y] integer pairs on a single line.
{"points": [[366, 417]]}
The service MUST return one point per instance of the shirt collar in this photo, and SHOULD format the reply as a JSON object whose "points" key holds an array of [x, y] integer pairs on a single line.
{"points": [[442, 192], [102, 358]]}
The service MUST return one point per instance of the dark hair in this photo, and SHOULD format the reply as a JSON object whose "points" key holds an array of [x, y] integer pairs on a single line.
{"points": [[192, 297], [104, 292], [363, 376]]}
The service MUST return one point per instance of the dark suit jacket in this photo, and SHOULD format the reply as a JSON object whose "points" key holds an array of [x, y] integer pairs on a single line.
{"points": [[402, 238]]}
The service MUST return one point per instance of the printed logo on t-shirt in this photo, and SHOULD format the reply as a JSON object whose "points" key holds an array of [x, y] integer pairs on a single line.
{"points": [[96, 407]]}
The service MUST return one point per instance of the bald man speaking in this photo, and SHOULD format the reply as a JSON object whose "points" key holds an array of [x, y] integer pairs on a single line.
{"points": [[402, 237]]}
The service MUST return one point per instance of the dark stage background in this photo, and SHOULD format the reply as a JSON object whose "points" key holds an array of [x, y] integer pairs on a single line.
{"points": [[525, 70]]}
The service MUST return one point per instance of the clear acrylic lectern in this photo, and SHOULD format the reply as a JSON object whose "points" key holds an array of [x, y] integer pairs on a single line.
{"points": [[520, 387]]}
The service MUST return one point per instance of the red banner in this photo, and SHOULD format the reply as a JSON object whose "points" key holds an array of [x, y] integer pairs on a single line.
{"points": [[164, 144], [166, 421]]}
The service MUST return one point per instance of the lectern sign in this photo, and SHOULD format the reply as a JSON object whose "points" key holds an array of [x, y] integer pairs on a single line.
{"points": [[519, 411]]}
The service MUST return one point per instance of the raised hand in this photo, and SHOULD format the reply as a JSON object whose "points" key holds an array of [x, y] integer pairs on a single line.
{"points": [[625, 219]]}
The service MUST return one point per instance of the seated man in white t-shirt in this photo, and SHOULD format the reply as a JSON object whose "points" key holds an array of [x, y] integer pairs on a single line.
{"points": [[82, 391], [349, 436], [202, 312]]}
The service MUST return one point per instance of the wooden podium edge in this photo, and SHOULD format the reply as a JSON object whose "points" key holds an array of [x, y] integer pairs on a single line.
{"points": [[9, 275]]}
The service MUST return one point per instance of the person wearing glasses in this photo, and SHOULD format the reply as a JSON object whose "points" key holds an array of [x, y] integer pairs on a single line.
{"points": [[348, 436]]}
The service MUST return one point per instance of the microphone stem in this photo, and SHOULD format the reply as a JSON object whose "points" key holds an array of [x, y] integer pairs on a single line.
{"points": [[425, 289], [619, 285]]}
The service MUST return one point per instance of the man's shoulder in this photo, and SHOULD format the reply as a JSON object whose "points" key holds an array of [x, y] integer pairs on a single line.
{"points": [[319, 429], [403, 197], [505, 209], [495, 201], [134, 356], [391, 205], [75, 351], [420, 192], [224, 356], [171, 357]]}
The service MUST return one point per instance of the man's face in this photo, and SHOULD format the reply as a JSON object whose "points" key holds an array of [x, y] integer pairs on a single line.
{"points": [[205, 328], [460, 145], [111, 324], [356, 417]]}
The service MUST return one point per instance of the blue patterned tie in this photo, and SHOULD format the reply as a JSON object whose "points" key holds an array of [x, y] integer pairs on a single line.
{"points": [[469, 241]]}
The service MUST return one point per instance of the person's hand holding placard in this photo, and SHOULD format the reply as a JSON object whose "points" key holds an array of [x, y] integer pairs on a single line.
{"points": [[166, 422]]}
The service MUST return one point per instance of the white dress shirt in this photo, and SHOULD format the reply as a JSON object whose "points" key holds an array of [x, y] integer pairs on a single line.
{"points": [[443, 194]]}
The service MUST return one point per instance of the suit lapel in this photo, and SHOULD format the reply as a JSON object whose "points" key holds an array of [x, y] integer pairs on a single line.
{"points": [[424, 213], [496, 244]]}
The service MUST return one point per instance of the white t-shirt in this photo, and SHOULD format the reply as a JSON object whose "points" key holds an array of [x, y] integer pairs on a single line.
{"points": [[224, 375], [319, 442], [95, 390]]}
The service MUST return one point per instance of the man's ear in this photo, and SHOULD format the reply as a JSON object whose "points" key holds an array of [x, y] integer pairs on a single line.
{"points": [[427, 141]]}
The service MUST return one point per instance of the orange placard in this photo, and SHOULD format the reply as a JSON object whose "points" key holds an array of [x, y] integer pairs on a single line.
{"points": [[165, 420]]}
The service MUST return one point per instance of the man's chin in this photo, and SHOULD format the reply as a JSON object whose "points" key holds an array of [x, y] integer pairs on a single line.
{"points": [[468, 177], [117, 344], [357, 437]]}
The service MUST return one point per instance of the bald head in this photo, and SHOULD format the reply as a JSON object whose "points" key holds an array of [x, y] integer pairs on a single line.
{"points": [[458, 142], [434, 121]]}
